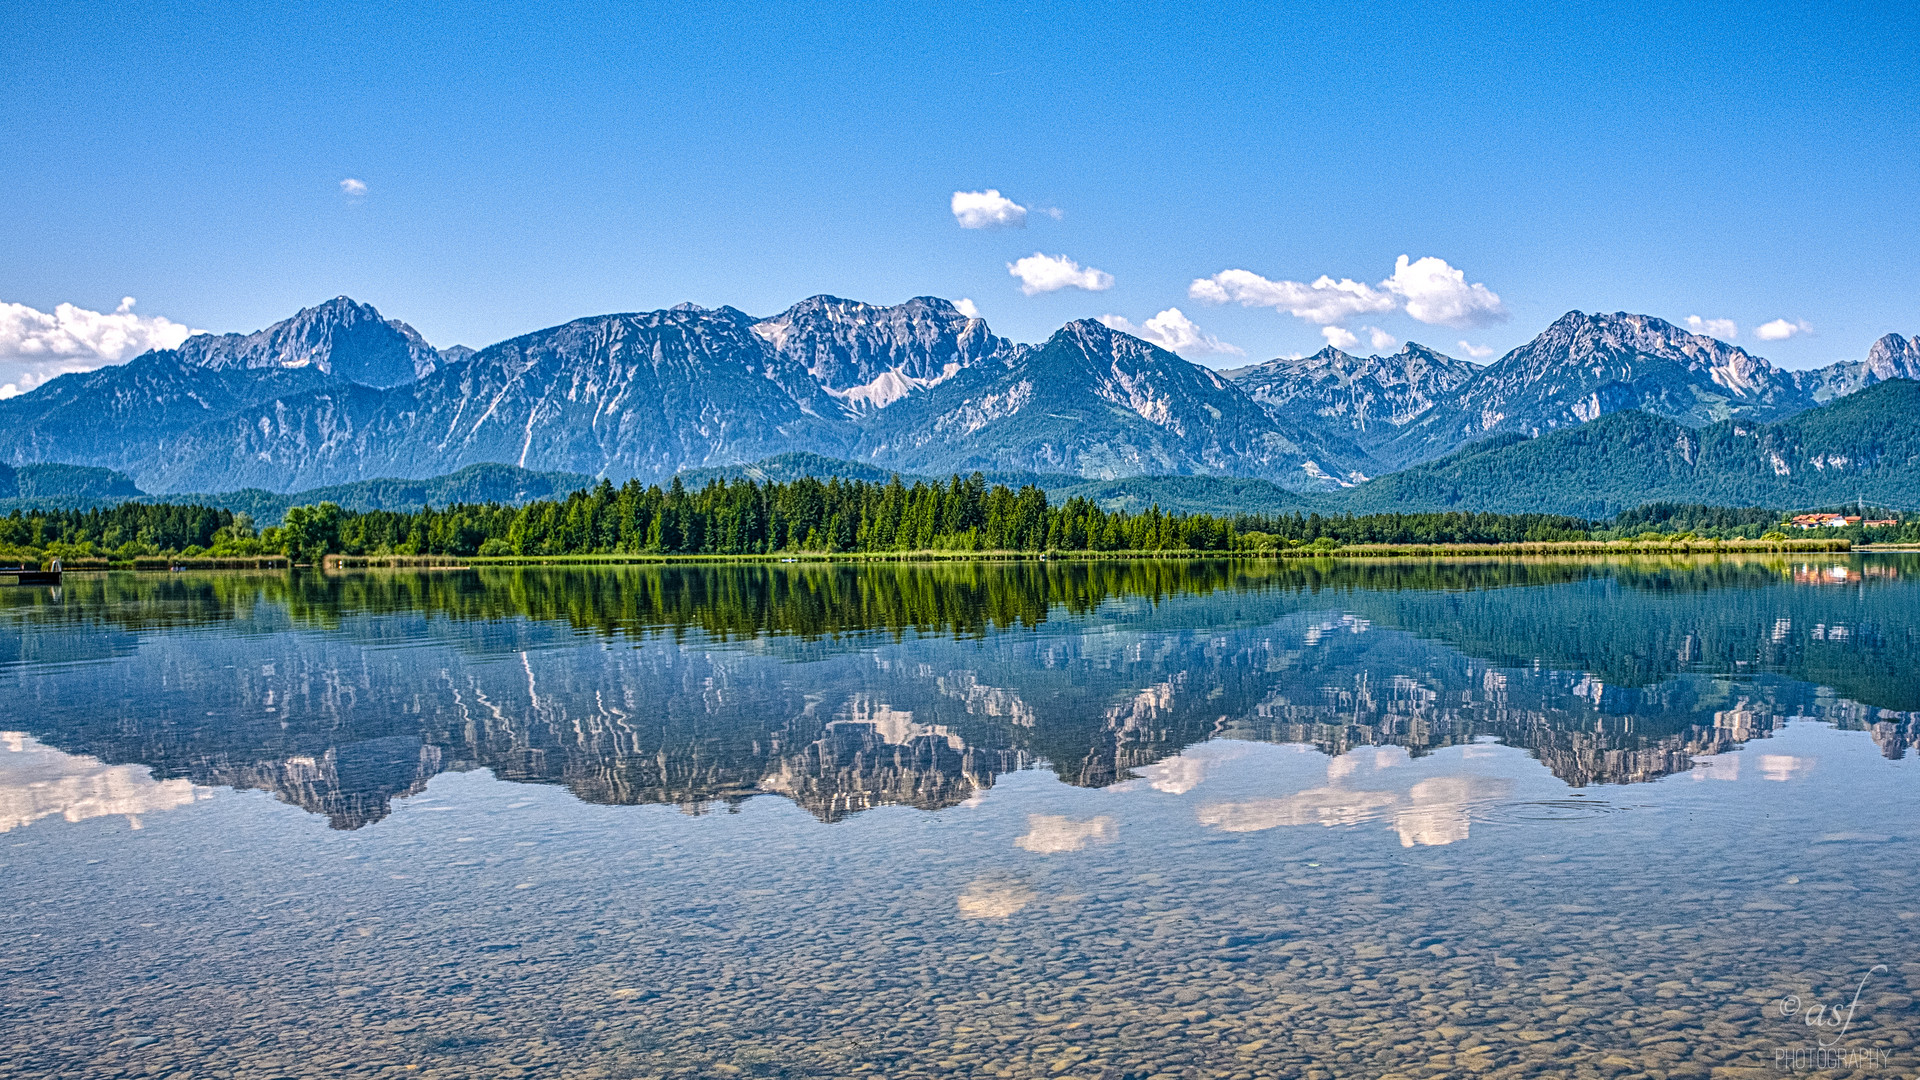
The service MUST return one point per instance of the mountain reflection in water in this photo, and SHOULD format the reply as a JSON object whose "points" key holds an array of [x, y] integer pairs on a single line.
{"points": [[845, 687]]}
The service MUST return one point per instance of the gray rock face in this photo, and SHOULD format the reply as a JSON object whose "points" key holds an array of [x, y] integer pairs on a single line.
{"points": [[1098, 403], [1368, 399], [870, 357], [1585, 366], [342, 338]]}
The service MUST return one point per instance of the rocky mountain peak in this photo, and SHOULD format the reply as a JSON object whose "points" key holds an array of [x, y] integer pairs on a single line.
{"points": [[1368, 398], [1102, 344], [1892, 357], [1091, 331], [1585, 366], [870, 356], [1413, 350], [1412, 364], [342, 337], [1622, 345], [1895, 357], [1334, 359]]}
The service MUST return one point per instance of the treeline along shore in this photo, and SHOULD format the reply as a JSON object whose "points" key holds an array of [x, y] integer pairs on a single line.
{"points": [[963, 518]]}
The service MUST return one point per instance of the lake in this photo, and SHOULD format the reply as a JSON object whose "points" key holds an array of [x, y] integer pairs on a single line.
{"points": [[1646, 817]]}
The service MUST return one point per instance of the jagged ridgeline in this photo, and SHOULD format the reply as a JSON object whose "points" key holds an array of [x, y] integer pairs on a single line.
{"points": [[339, 395], [853, 686]]}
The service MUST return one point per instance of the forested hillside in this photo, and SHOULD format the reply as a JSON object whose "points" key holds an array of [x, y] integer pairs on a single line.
{"points": [[1865, 446]]}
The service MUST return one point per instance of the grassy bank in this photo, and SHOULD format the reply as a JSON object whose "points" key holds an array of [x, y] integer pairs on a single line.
{"points": [[247, 562], [1351, 551], [1362, 551]]}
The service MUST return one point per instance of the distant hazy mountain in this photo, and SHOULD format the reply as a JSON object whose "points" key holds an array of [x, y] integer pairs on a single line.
{"points": [[1863, 446], [126, 417], [62, 486], [473, 484], [1369, 400], [342, 338], [1097, 403]]}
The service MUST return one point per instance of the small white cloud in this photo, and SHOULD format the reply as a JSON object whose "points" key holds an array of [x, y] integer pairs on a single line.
{"points": [[1724, 329], [39, 346], [1380, 339], [1438, 294], [1781, 329], [1049, 273], [1339, 337], [353, 189], [1478, 352], [1174, 332], [987, 210], [965, 307], [1325, 301]]}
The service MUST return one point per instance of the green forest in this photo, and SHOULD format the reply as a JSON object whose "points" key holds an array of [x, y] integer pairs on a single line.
{"points": [[808, 515]]}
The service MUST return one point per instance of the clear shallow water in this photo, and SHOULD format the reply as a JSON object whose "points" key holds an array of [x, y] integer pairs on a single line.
{"points": [[1588, 819]]}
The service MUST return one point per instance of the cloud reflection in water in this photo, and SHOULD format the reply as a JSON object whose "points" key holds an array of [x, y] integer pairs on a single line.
{"points": [[1435, 812]]}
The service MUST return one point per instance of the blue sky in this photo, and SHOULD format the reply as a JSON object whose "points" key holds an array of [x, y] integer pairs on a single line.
{"points": [[527, 164]]}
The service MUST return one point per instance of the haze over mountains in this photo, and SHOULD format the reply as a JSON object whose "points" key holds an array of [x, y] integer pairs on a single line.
{"points": [[339, 394]]}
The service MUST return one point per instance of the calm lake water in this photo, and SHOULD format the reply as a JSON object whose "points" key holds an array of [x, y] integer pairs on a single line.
{"points": [[1595, 819]]}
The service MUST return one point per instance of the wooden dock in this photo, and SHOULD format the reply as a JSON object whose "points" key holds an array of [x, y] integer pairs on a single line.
{"points": [[20, 575]]}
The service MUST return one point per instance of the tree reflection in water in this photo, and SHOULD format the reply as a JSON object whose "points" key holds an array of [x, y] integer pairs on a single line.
{"points": [[849, 686]]}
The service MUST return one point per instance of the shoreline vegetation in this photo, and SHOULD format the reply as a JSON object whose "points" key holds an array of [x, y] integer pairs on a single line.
{"points": [[854, 520], [1576, 548], [1354, 551]]}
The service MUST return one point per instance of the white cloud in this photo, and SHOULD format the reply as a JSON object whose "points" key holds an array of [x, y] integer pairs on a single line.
{"points": [[1339, 337], [38, 345], [1049, 273], [965, 307], [987, 210], [1325, 301], [1380, 339], [1438, 294], [1174, 332], [1781, 329], [1426, 289], [1724, 329], [353, 189], [1478, 352]]}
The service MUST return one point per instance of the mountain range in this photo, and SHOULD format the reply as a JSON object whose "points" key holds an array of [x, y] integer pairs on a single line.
{"points": [[339, 394]]}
